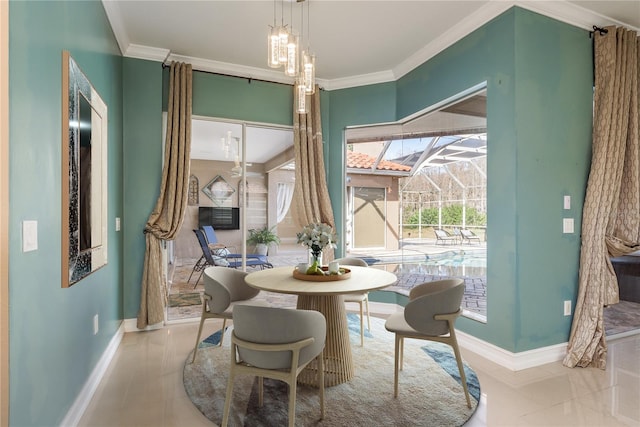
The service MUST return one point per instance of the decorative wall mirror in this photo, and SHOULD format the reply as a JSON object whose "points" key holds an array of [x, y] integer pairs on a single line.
{"points": [[218, 190], [84, 175]]}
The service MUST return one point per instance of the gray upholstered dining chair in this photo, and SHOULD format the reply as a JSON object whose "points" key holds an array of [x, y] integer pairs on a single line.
{"points": [[358, 298], [224, 288], [276, 343], [430, 314]]}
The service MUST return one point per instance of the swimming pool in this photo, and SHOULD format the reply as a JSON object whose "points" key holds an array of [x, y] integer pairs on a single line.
{"points": [[455, 263]]}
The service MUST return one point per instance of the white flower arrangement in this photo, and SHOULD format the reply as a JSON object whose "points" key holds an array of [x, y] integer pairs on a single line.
{"points": [[317, 236]]}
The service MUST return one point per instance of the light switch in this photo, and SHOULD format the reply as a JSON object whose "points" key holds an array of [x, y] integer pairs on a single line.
{"points": [[567, 202], [29, 236], [567, 225]]}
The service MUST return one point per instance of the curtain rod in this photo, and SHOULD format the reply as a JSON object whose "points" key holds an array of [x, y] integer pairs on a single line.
{"points": [[602, 31], [249, 79]]}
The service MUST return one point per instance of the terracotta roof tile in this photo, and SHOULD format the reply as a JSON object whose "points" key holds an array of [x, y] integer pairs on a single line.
{"points": [[364, 161]]}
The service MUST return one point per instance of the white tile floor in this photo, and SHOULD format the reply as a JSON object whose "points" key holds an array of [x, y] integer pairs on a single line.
{"points": [[143, 387]]}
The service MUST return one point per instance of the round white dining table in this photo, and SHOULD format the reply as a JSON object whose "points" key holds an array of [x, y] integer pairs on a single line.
{"points": [[325, 297]]}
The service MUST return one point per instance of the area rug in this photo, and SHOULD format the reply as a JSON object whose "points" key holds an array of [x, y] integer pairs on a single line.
{"points": [[184, 300], [430, 393]]}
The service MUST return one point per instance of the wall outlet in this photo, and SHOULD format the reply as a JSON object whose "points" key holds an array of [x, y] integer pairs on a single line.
{"points": [[95, 325], [117, 224], [567, 308]]}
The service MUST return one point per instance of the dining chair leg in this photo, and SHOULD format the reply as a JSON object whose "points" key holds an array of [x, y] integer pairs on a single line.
{"points": [[361, 325], [366, 301], [292, 403], [463, 377], [395, 367], [195, 350], [260, 391], [224, 328]]}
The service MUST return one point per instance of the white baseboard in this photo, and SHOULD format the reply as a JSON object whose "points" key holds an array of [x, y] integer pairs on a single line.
{"points": [[86, 394], [513, 361]]}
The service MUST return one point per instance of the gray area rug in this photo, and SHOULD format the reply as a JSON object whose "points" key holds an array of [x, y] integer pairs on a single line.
{"points": [[430, 393]]}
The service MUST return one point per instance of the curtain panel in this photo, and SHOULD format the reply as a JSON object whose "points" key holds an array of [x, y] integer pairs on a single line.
{"points": [[611, 213], [283, 200], [311, 202], [166, 218]]}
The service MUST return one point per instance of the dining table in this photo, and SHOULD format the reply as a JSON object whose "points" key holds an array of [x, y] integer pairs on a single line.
{"points": [[327, 298]]}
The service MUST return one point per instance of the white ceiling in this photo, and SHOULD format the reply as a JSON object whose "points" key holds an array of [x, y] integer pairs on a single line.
{"points": [[356, 42]]}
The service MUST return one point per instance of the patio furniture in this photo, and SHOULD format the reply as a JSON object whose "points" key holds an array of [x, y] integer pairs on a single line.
{"points": [[276, 343], [216, 247], [223, 259], [430, 315], [233, 259], [443, 237], [468, 236], [224, 288]]}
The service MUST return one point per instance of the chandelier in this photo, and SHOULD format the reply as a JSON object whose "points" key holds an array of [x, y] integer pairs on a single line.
{"points": [[283, 49]]}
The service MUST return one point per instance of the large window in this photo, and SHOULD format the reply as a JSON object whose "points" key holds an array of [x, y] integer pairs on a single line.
{"points": [[417, 196]]}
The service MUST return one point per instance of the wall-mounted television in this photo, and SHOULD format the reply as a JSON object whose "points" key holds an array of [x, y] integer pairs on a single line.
{"points": [[219, 218]]}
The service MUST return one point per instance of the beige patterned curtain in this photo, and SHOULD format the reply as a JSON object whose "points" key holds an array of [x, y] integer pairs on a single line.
{"points": [[166, 218], [611, 213], [311, 202]]}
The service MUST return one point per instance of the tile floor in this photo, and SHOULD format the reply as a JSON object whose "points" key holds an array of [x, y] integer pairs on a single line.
{"points": [[143, 386]]}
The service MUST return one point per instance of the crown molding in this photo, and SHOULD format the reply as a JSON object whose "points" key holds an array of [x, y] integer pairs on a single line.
{"points": [[563, 11], [234, 69], [146, 52], [360, 80], [571, 14]]}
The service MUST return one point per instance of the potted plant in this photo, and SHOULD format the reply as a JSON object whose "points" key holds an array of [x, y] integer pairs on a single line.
{"points": [[261, 238]]}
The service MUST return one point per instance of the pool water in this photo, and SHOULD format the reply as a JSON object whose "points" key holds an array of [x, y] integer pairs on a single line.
{"points": [[450, 264]]}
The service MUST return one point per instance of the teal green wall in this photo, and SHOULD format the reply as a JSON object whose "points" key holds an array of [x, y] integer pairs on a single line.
{"points": [[539, 87], [554, 122], [143, 151], [52, 346], [241, 99]]}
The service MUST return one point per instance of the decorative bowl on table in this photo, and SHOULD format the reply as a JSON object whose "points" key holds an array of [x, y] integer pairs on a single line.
{"points": [[344, 273]]}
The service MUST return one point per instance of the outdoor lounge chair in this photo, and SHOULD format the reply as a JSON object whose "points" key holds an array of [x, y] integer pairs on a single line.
{"points": [[223, 258], [216, 247], [442, 236], [234, 259], [468, 236]]}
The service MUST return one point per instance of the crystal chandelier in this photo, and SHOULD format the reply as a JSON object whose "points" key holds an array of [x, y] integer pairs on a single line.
{"points": [[283, 50]]}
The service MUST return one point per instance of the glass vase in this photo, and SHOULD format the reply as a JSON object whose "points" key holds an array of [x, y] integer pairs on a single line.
{"points": [[316, 263]]}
